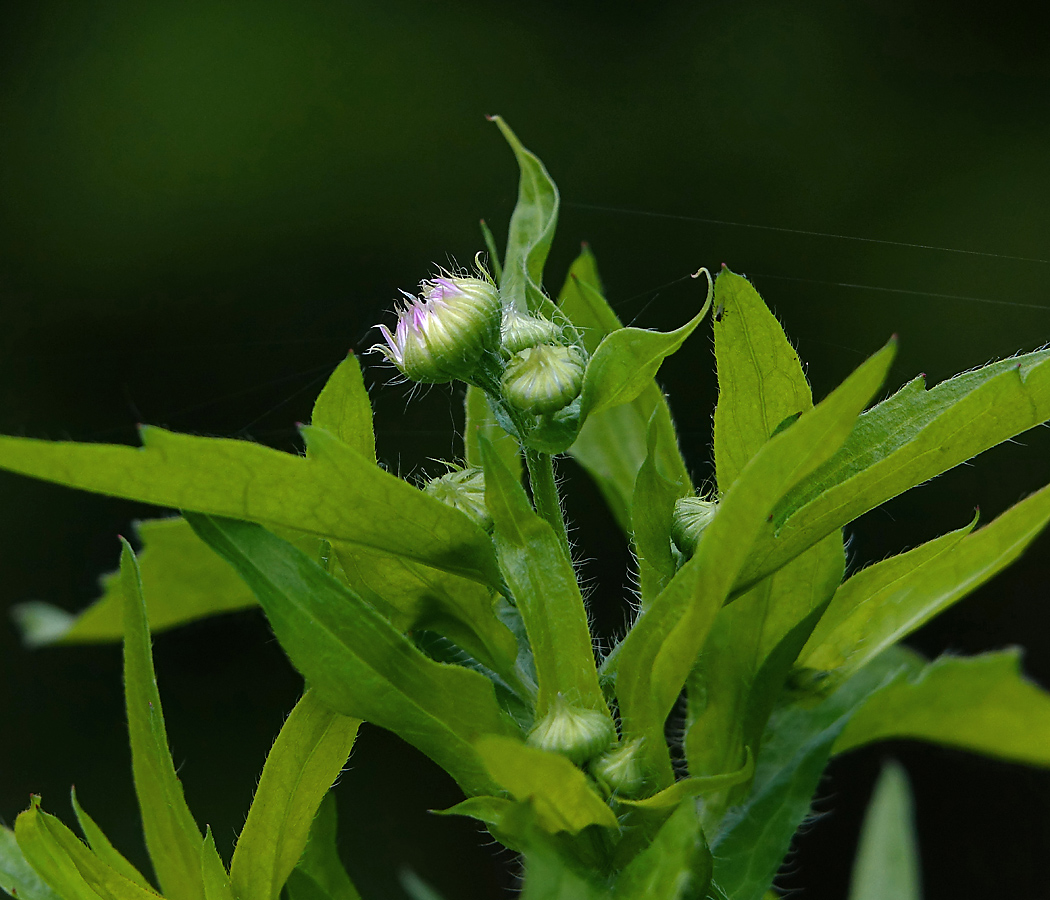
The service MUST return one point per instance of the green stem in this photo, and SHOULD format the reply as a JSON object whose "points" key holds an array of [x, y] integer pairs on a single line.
{"points": [[545, 493]]}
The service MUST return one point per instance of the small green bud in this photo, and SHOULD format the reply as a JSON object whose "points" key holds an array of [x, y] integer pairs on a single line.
{"points": [[519, 332], [543, 379], [445, 333], [576, 732], [465, 490], [691, 516], [619, 771]]}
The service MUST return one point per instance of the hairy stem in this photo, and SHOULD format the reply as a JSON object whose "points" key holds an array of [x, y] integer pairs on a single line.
{"points": [[545, 493]]}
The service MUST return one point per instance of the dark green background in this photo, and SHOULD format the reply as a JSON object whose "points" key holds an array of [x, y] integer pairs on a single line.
{"points": [[203, 205]]}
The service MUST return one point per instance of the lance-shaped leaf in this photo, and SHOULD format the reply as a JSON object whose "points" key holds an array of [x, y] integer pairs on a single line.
{"points": [[675, 866], [752, 841], [660, 650], [69, 867], [546, 592], [359, 664], [320, 860], [102, 847], [902, 442], [760, 379], [172, 837], [531, 229], [880, 612], [559, 792], [980, 703], [612, 444], [480, 421], [17, 876], [305, 760], [652, 509], [216, 879], [761, 385], [696, 787], [344, 410], [337, 494], [413, 597], [549, 877], [887, 863], [183, 580]]}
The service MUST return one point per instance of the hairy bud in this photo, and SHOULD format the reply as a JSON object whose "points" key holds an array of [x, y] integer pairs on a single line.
{"points": [[576, 732], [519, 332], [691, 516], [543, 379], [465, 490], [619, 771]]}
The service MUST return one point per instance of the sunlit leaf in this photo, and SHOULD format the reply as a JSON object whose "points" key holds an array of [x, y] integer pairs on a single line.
{"points": [[695, 786], [902, 442], [337, 494], [344, 410], [887, 863], [359, 664], [658, 653], [17, 877], [546, 592], [675, 866], [216, 879], [481, 422], [320, 860], [102, 848], [979, 703], [559, 792], [531, 229], [305, 760], [172, 837]]}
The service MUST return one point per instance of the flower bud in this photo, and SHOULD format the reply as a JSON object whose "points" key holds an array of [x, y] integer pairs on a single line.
{"points": [[519, 332], [619, 771], [445, 332], [465, 490], [691, 516], [543, 379], [576, 732]]}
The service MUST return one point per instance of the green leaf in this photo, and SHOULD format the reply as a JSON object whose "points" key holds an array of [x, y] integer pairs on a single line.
{"points": [[337, 494], [658, 653], [675, 866], [358, 663], [559, 792], [301, 886], [887, 863], [531, 229], [481, 422], [760, 377], [183, 580], [216, 879], [652, 509], [627, 360], [172, 837], [872, 620], [979, 703], [70, 868], [320, 860], [413, 597], [308, 755], [549, 877], [753, 839], [490, 810], [344, 410], [611, 446], [103, 849], [17, 876], [546, 592], [695, 787], [748, 656], [904, 441]]}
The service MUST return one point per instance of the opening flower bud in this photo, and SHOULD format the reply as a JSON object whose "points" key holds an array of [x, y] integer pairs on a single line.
{"points": [[543, 379], [519, 332], [619, 770], [691, 516], [465, 490], [575, 732], [446, 332]]}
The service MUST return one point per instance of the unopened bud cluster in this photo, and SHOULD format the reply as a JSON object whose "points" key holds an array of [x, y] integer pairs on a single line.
{"points": [[458, 329], [465, 490]]}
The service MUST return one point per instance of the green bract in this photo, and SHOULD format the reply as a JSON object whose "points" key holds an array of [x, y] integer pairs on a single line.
{"points": [[452, 614]]}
